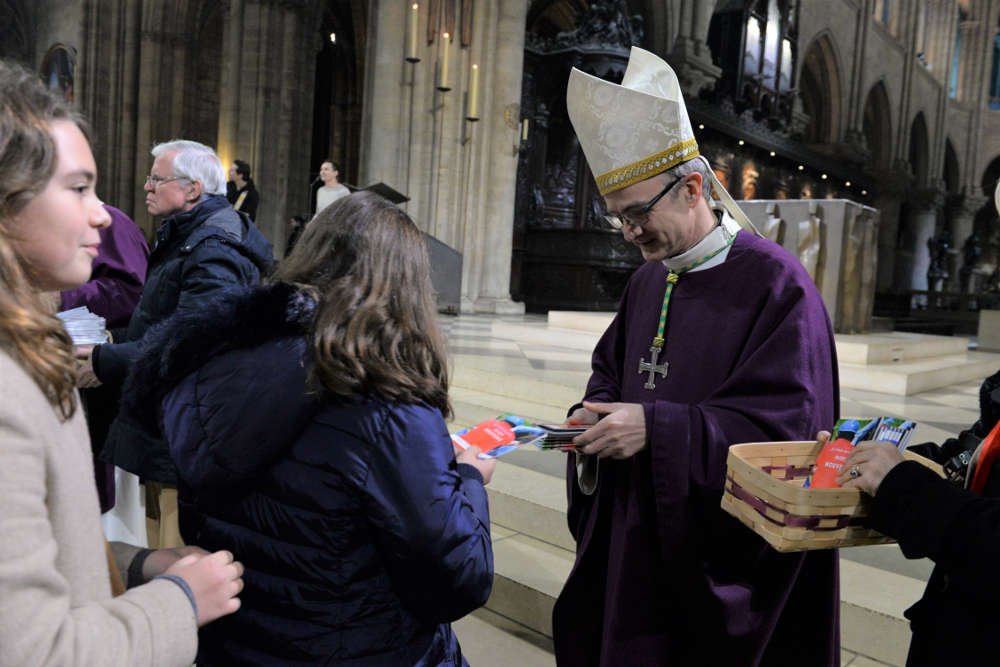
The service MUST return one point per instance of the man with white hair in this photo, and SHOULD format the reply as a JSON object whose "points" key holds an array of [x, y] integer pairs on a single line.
{"points": [[721, 337], [202, 248]]}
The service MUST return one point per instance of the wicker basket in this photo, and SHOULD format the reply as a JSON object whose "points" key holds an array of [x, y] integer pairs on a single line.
{"points": [[764, 491]]}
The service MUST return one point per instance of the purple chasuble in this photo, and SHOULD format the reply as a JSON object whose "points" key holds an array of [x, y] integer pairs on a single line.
{"points": [[663, 576]]}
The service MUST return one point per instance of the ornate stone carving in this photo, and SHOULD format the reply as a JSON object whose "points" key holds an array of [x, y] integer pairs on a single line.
{"points": [[605, 23], [810, 243]]}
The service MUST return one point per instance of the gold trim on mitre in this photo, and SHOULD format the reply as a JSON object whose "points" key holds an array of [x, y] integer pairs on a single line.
{"points": [[643, 169], [635, 130]]}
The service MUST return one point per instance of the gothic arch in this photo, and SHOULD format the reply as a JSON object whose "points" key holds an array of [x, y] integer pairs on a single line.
{"points": [[821, 90], [919, 151], [877, 126]]}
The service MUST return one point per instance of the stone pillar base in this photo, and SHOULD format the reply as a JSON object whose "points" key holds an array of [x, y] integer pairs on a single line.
{"points": [[503, 306]]}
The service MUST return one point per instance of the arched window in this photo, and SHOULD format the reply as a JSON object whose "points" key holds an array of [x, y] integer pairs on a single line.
{"points": [[755, 44], [956, 58], [995, 78]]}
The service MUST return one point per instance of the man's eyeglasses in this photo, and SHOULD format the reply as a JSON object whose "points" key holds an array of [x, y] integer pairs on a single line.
{"points": [[155, 181], [637, 217]]}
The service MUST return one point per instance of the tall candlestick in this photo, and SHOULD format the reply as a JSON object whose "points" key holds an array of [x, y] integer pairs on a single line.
{"points": [[473, 111], [524, 129], [443, 84], [411, 35]]}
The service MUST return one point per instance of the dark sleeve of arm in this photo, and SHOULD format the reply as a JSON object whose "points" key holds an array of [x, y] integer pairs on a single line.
{"points": [[931, 518], [112, 361], [430, 517], [251, 203]]}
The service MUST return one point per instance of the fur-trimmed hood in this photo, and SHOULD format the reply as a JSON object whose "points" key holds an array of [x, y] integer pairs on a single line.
{"points": [[226, 386]]}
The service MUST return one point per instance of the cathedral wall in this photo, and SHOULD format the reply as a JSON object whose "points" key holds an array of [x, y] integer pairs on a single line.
{"points": [[989, 143], [57, 21], [957, 128]]}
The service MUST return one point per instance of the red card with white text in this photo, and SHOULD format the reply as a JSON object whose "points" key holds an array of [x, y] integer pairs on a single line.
{"points": [[486, 436], [829, 463]]}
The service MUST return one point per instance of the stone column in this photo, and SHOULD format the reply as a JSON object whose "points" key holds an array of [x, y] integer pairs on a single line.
{"points": [[266, 104], [486, 268], [914, 257], [690, 57], [963, 216], [893, 187]]}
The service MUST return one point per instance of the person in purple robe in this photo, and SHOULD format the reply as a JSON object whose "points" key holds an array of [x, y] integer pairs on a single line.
{"points": [[721, 337], [112, 292]]}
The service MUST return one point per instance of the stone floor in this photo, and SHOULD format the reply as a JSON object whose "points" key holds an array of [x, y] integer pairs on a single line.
{"points": [[516, 364]]}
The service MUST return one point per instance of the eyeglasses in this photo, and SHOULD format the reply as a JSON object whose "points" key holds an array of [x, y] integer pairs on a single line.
{"points": [[155, 181], [640, 216]]}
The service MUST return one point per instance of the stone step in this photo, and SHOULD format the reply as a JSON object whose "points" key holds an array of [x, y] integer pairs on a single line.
{"points": [[912, 377], [491, 640], [540, 334], [594, 322], [531, 503], [896, 347], [522, 385], [528, 575], [872, 602], [477, 403]]}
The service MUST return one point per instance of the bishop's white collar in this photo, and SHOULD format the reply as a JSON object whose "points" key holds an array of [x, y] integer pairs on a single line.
{"points": [[715, 239]]}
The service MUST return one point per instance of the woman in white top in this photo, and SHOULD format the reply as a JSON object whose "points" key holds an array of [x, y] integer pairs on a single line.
{"points": [[331, 190]]}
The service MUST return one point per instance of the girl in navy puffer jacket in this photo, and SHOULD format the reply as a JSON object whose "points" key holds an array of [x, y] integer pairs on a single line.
{"points": [[305, 419]]}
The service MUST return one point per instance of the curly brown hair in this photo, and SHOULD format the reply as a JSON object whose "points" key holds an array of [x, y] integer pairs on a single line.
{"points": [[29, 332], [375, 330]]}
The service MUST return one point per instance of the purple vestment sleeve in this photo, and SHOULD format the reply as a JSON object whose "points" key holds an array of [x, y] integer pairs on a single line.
{"points": [[118, 274]]}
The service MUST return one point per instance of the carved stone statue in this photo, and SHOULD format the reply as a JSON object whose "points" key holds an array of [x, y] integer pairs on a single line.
{"points": [[972, 249], [604, 23], [810, 243], [937, 271]]}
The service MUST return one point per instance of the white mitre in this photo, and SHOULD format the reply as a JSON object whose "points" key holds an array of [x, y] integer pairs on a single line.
{"points": [[996, 197], [631, 131], [638, 129]]}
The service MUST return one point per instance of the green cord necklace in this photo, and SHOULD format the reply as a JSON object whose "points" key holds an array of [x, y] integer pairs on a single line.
{"points": [[656, 346]]}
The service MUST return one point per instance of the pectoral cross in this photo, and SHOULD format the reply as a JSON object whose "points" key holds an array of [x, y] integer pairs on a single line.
{"points": [[652, 368]]}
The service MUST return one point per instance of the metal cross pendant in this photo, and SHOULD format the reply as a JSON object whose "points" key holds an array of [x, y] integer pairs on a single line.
{"points": [[652, 368]]}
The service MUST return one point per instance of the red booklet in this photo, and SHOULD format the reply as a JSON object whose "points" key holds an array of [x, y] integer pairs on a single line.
{"points": [[486, 436]]}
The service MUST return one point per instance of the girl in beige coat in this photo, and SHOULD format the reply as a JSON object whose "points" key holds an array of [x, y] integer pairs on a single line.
{"points": [[56, 604]]}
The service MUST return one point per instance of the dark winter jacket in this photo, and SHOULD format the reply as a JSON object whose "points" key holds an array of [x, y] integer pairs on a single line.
{"points": [[361, 536], [250, 201], [957, 621], [198, 255]]}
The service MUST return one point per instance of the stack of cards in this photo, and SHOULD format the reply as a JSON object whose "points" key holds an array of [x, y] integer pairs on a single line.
{"points": [[84, 327], [559, 437], [496, 437]]}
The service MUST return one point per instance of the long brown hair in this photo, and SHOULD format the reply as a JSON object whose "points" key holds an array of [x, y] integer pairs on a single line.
{"points": [[375, 330], [28, 331]]}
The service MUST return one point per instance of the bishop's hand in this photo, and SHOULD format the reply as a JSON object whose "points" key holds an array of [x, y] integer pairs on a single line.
{"points": [[621, 434]]}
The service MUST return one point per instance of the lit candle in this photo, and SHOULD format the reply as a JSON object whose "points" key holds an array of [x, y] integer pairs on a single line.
{"points": [[411, 35], [524, 129], [443, 73], [473, 112]]}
